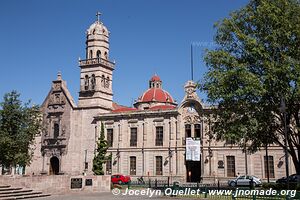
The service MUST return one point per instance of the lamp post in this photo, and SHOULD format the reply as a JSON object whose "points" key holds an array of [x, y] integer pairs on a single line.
{"points": [[283, 110], [246, 159], [267, 162]]}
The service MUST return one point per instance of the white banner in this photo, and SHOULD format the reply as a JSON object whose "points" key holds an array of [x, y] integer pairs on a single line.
{"points": [[192, 149]]}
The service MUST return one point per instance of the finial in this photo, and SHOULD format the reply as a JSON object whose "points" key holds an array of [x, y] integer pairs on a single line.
{"points": [[98, 16], [59, 75]]}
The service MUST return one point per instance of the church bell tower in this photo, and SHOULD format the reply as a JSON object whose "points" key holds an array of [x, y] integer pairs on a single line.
{"points": [[96, 70]]}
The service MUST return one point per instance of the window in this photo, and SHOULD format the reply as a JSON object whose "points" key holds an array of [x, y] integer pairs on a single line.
{"points": [[56, 130], [158, 165], [105, 55], [107, 82], [159, 136], [93, 81], [108, 167], [271, 166], [188, 130], [98, 54], [133, 137], [197, 130], [102, 80], [91, 54], [86, 82], [132, 165], [230, 166], [110, 137]]}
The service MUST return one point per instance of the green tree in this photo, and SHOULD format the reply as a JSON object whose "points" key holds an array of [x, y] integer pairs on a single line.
{"points": [[100, 157], [19, 124], [255, 66]]}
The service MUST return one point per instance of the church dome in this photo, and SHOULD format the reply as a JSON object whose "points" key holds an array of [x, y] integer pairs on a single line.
{"points": [[97, 28], [156, 94]]}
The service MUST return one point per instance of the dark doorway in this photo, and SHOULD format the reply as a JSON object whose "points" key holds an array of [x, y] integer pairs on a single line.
{"points": [[193, 171], [54, 166]]}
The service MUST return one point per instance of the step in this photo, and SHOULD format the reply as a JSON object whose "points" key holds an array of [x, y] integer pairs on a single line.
{"points": [[9, 189], [14, 192], [21, 194], [5, 186], [25, 197]]}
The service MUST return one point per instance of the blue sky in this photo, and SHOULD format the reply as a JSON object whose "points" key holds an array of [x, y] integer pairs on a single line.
{"points": [[38, 38]]}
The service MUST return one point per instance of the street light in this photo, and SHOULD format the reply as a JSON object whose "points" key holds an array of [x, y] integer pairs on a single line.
{"points": [[283, 110]]}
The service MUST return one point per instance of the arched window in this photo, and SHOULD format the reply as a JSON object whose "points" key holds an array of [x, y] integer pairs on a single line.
{"points": [[93, 81], [102, 81], [86, 82], [188, 130], [56, 130], [105, 55], [91, 54], [98, 54], [107, 82]]}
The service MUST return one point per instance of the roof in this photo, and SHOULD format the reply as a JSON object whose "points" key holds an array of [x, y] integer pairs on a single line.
{"points": [[163, 107], [156, 94], [119, 108]]}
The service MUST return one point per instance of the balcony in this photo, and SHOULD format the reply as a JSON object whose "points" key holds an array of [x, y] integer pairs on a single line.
{"points": [[54, 142], [95, 61]]}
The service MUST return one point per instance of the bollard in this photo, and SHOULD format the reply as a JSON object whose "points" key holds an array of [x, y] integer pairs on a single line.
{"points": [[205, 192], [128, 184], [218, 184], [155, 184]]}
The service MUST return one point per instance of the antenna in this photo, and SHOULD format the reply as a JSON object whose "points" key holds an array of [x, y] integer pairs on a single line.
{"points": [[192, 64]]}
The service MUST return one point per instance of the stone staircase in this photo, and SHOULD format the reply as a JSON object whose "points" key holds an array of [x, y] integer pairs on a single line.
{"points": [[9, 193]]}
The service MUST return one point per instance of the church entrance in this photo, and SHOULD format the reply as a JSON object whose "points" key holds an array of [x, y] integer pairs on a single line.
{"points": [[193, 171], [54, 166]]}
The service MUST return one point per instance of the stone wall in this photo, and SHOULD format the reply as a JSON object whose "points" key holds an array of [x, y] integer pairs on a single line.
{"points": [[59, 184]]}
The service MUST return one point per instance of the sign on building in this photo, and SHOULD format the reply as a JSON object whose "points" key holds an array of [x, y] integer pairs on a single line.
{"points": [[192, 149]]}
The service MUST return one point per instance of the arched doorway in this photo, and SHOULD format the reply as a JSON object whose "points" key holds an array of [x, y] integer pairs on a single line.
{"points": [[54, 166]]}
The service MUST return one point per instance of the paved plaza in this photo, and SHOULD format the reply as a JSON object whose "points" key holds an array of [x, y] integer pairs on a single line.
{"points": [[97, 196]]}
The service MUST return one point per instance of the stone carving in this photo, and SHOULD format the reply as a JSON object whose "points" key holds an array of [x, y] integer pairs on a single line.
{"points": [[190, 90], [191, 119], [57, 99], [56, 86]]}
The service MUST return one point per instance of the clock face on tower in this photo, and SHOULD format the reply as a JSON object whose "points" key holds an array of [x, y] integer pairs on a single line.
{"points": [[191, 109]]}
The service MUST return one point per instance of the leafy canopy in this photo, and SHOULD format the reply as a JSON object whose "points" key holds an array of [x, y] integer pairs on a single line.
{"points": [[19, 124], [255, 66]]}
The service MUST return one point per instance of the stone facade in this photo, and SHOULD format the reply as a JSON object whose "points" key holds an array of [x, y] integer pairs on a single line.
{"points": [[59, 184], [147, 140]]}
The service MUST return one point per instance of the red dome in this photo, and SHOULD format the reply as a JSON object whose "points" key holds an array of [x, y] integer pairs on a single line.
{"points": [[156, 94], [155, 78]]}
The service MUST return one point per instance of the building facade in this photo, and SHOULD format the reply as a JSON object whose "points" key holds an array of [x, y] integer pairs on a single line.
{"points": [[157, 137]]}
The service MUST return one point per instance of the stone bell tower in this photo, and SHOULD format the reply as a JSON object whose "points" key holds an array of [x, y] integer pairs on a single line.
{"points": [[96, 69]]}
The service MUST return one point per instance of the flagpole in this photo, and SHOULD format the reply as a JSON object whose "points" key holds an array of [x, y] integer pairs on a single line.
{"points": [[192, 64]]}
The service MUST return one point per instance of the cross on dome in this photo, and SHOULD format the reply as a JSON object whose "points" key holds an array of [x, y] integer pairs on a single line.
{"points": [[98, 16]]}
